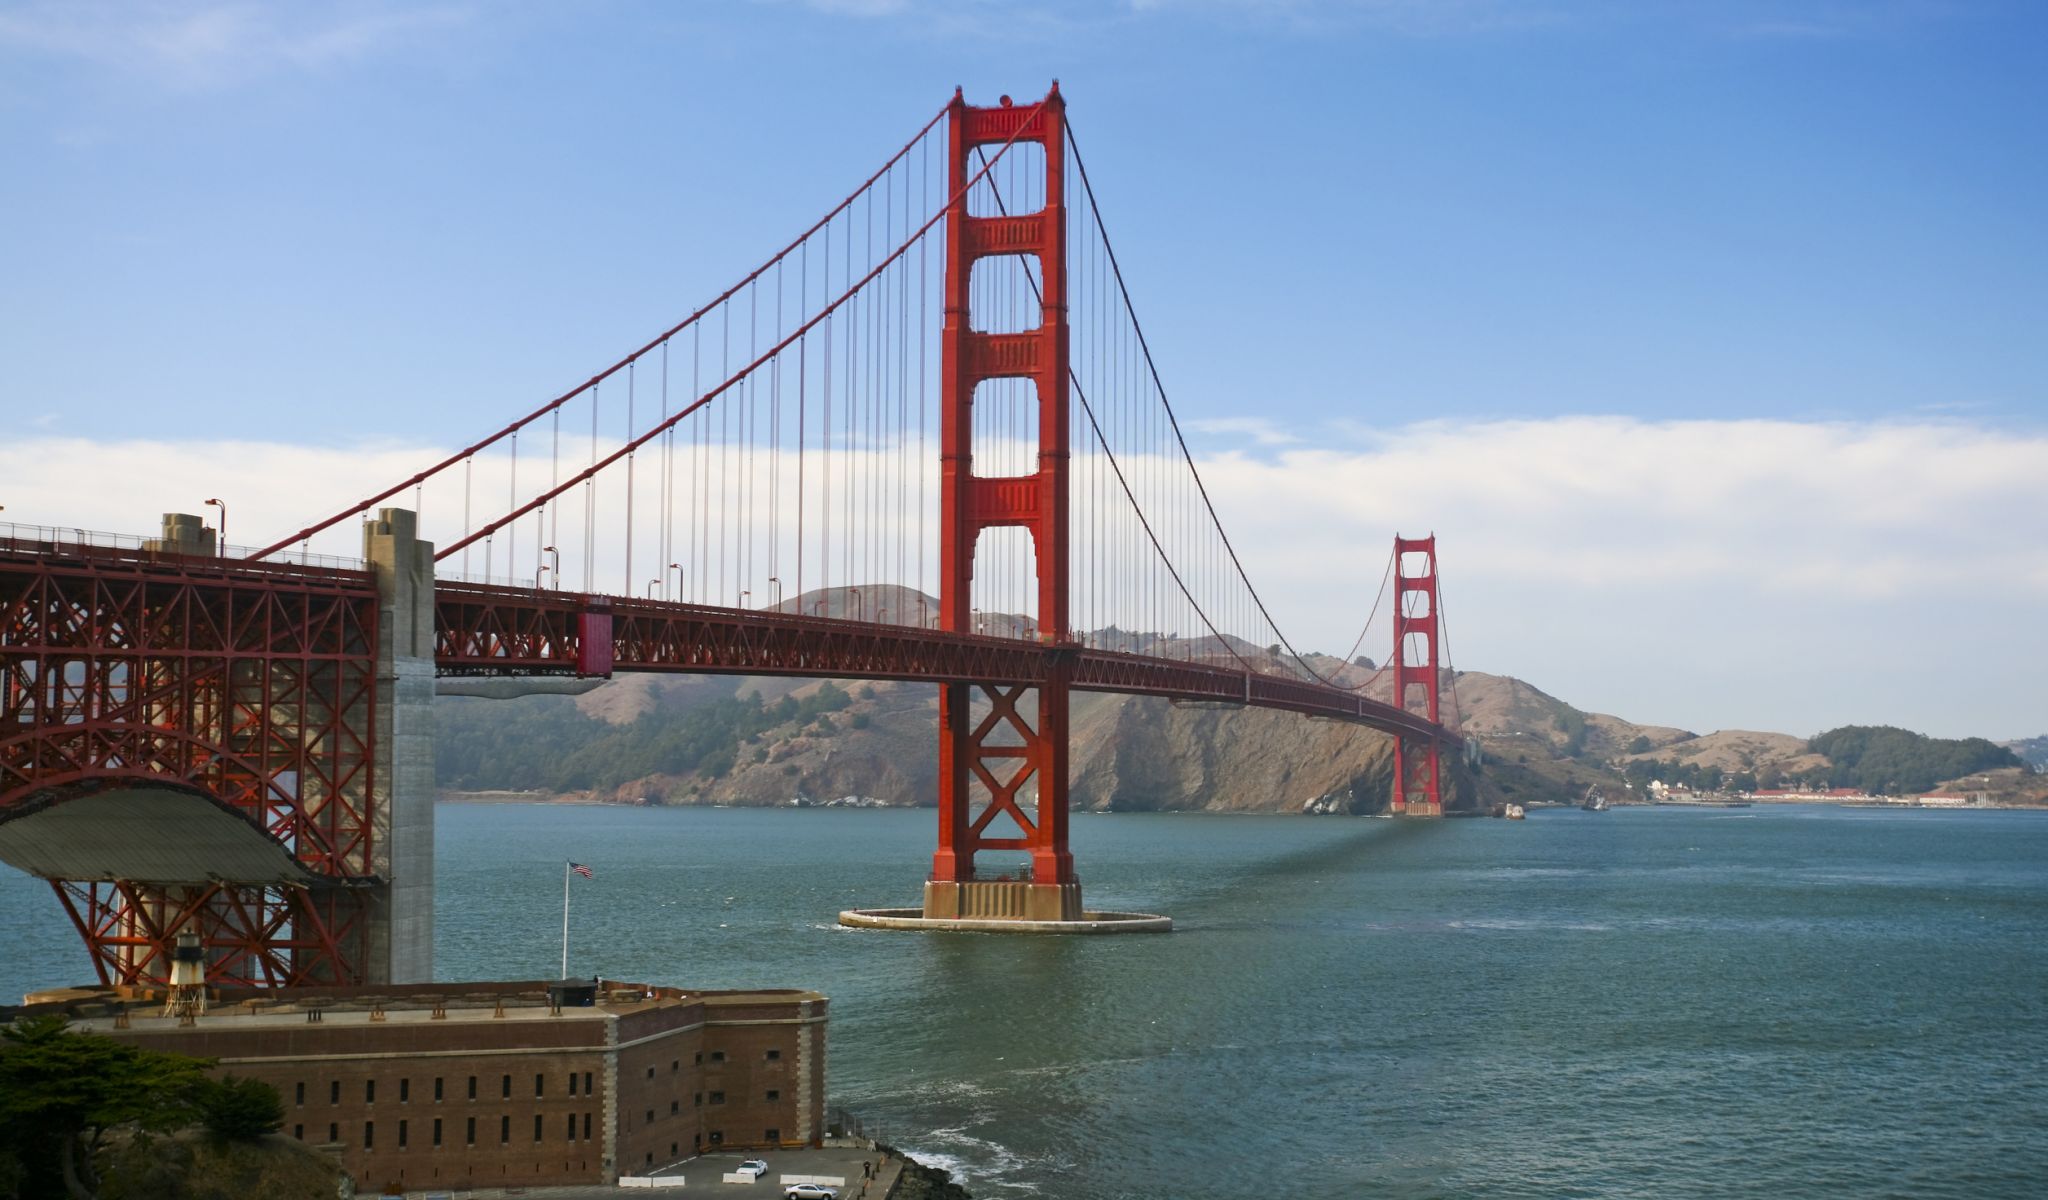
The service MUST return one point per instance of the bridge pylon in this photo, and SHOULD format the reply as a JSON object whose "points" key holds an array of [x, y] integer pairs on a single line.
{"points": [[1013, 747], [1418, 768]]}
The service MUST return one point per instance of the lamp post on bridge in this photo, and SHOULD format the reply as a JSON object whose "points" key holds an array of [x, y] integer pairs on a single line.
{"points": [[744, 593], [222, 505], [678, 569], [651, 585], [862, 601], [538, 576], [556, 570], [778, 592]]}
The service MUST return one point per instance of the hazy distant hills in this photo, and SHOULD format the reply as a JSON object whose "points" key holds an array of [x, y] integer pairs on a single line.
{"points": [[2034, 750], [705, 739]]}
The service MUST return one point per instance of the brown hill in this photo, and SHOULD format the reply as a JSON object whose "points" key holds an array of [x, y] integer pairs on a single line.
{"points": [[1139, 753]]}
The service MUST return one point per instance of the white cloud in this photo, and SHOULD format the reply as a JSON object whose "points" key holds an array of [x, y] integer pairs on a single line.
{"points": [[1763, 574], [1258, 429]]}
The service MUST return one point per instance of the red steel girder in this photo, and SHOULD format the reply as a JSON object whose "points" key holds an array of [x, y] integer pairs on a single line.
{"points": [[252, 682]]}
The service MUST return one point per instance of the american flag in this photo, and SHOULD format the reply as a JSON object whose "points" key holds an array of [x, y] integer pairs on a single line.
{"points": [[580, 869]]}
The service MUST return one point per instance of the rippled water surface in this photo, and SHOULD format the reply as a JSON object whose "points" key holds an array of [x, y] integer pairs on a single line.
{"points": [[1680, 1002]]}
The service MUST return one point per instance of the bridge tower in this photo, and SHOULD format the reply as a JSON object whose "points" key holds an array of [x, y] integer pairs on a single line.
{"points": [[1417, 768], [1007, 751]]}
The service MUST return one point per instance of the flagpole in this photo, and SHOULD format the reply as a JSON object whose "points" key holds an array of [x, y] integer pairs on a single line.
{"points": [[565, 918]]}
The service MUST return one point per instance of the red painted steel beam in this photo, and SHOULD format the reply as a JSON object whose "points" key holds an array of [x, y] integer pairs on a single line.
{"points": [[491, 630]]}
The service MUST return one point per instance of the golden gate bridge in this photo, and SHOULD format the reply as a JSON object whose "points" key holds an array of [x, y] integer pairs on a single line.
{"points": [[236, 744]]}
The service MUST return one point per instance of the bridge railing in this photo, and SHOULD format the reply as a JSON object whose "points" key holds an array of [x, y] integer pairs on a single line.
{"points": [[42, 539]]}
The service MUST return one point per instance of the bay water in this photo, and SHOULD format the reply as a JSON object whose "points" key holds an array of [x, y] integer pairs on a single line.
{"points": [[1783, 1001]]}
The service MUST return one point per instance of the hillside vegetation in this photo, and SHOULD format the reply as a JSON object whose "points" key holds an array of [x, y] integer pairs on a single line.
{"points": [[1881, 758]]}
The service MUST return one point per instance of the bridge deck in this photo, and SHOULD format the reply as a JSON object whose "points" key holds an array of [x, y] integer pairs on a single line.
{"points": [[485, 629], [496, 630]]}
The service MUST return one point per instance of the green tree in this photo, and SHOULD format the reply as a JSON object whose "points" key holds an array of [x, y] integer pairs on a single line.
{"points": [[1640, 744], [62, 1092], [239, 1110]]}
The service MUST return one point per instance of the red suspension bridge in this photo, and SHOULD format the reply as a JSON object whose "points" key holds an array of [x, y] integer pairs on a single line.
{"points": [[237, 743]]}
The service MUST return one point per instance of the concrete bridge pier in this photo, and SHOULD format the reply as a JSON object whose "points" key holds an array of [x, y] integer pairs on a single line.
{"points": [[401, 910]]}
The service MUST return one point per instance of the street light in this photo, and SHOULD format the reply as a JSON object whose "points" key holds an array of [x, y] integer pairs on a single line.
{"points": [[778, 592], [223, 507], [556, 569], [744, 593], [678, 569], [537, 576], [651, 585], [861, 601]]}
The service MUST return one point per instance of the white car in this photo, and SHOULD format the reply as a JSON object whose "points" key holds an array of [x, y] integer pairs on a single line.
{"points": [[757, 1166], [809, 1191]]}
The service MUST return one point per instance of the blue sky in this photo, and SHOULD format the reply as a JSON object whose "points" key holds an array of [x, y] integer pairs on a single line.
{"points": [[364, 225]]}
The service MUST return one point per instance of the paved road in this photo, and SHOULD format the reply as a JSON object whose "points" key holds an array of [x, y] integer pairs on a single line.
{"points": [[705, 1173]]}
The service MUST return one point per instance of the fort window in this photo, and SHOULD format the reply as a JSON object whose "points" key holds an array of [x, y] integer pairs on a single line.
{"points": [[334, 1092], [700, 1100], [650, 1158], [586, 1083], [369, 1091], [401, 1135], [405, 1091], [369, 1134], [672, 1151], [470, 1134], [718, 1097], [774, 1095], [675, 1066], [299, 1132], [700, 1058], [773, 1135], [437, 1088], [540, 1086], [299, 1097], [536, 1127], [333, 1133], [774, 1055], [650, 1116], [572, 1083], [572, 1127], [718, 1137], [586, 1127], [650, 1071], [472, 1087], [674, 1107], [718, 1056], [437, 1131], [505, 1131], [507, 1092]]}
